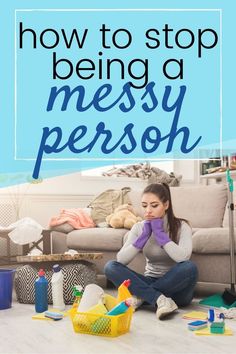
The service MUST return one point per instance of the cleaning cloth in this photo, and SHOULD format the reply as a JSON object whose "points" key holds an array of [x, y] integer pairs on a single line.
{"points": [[216, 301]]}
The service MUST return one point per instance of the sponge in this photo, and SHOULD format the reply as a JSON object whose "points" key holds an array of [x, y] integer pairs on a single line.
{"points": [[54, 315]]}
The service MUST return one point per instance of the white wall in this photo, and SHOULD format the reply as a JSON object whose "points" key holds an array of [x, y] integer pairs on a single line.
{"points": [[43, 200], [189, 169]]}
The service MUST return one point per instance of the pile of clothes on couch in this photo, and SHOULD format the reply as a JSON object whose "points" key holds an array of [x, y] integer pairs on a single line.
{"points": [[145, 171]]}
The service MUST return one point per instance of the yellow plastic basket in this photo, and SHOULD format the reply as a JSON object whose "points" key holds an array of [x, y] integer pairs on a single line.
{"points": [[101, 325]]}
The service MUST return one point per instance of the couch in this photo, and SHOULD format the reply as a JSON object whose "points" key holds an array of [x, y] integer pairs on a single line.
{"points": [[205, 207]]}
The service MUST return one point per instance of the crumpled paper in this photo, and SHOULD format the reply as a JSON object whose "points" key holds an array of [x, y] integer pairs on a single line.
{"points": [[24, 231], [71, 252], [35, 252]]}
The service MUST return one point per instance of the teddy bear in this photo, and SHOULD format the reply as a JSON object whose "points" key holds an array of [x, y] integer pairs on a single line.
{"points": [[123, 217]]}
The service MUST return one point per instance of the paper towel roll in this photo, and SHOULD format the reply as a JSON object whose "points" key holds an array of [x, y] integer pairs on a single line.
{"points": [[93, 294]]}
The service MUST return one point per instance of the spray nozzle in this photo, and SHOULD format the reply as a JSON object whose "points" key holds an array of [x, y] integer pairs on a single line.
{"points": [[77, 290], [127, 282]]}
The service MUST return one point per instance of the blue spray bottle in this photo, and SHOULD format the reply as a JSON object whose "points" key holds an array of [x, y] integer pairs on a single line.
{"points": [[41, 292]]}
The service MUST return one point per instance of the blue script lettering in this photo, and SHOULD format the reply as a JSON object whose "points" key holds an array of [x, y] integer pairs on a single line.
{"points": [[127, 143], [101, 93]]}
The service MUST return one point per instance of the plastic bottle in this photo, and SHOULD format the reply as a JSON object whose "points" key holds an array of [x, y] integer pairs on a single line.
{"points": [[211, 315], [57, 288], [77, 292], [41, 292], [123, 291], [122, 307]]}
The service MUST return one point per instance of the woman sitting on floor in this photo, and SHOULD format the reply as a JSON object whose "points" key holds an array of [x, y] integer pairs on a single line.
{"points": [[166, 242]]}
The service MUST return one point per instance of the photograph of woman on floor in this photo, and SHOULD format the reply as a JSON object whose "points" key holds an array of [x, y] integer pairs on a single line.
{"points": [[166, 242]]}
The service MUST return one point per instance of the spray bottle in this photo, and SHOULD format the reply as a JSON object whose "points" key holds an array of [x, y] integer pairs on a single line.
{"points": [[123, 291], [77, 292]]}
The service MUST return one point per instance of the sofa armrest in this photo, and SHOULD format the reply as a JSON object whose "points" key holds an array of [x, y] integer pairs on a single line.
{"points": [[59, 244]]}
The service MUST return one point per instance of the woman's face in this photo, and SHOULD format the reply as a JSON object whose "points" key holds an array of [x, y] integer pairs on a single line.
{"points": [[153, 206]]}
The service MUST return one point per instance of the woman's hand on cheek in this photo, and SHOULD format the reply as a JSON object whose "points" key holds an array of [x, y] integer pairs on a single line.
{"points": [[147, 228], [143, 238], [157, 224], [161, 237]]}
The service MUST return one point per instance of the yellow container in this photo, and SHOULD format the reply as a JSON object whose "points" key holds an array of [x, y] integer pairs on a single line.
{"points": [[123, 291], [101, 325]]}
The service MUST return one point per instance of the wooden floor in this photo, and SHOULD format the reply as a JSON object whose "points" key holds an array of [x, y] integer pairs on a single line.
{"points": [[20, 334]]}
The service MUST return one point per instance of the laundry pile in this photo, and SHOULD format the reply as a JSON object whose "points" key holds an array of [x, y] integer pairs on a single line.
{"points": [[145, 171], [77, 218]]}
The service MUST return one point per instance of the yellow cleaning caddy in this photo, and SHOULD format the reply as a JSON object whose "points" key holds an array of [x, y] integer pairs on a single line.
{"points": [[96, 322]]}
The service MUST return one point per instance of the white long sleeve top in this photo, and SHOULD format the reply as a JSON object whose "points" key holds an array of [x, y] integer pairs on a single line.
{"points": [[158, 260]]}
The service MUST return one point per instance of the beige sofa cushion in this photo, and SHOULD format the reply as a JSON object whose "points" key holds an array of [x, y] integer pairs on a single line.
{"points": [[213, 240], [97, 239], [202, 206]]}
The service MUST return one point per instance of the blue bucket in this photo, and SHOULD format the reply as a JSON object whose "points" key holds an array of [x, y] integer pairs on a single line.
{"points": [[6, 286]]}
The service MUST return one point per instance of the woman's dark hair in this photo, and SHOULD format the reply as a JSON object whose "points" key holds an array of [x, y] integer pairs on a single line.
{"points": [[162, 191]]}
